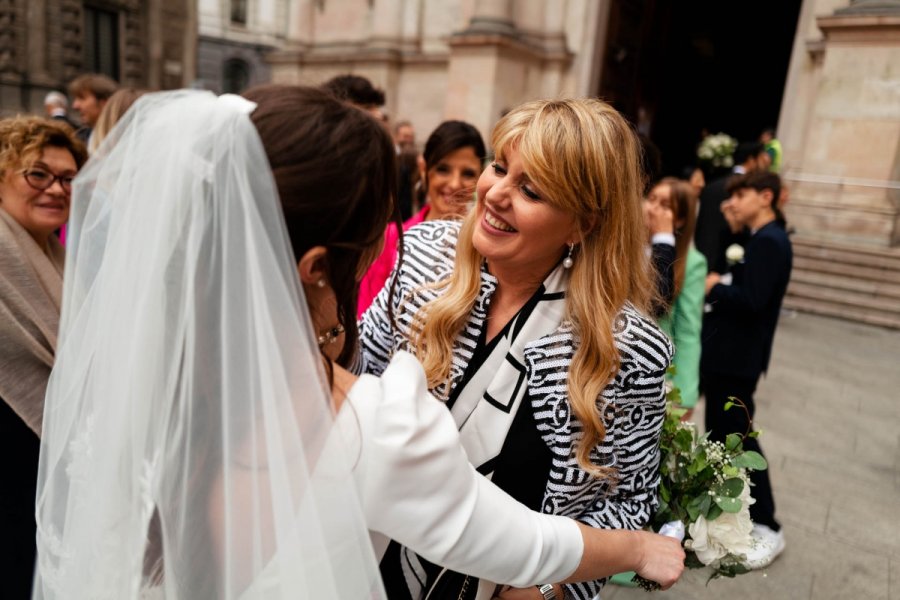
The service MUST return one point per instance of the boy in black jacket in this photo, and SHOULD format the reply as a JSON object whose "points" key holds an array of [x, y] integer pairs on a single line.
{"points": [[739, 329]]}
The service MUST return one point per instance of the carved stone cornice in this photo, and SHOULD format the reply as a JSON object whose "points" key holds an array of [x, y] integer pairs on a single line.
{"points": [[514, 44], [871, 7], [861, 28], [345, 54]]}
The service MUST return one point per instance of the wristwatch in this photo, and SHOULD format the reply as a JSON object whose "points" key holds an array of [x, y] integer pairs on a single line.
{"points": [[547, 591]]}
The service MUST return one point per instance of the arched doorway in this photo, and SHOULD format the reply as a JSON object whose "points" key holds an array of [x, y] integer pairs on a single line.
{"points": [[235, 76], [679, 68]]}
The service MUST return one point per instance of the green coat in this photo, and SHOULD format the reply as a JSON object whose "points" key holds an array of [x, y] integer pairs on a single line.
{"points": [[682, 325]]}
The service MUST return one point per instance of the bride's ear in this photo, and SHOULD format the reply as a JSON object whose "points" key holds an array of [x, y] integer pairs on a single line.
{"points": [[311, 266]]}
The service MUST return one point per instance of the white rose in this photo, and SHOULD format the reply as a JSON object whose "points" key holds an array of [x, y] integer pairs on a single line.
{"points": [[729, 533], [734, 253], [707, 551]]}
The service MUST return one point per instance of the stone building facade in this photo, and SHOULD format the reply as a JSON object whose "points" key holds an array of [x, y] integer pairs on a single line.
{"points": [[235, 36], [424, 53], [44, 44], [840, 115]]}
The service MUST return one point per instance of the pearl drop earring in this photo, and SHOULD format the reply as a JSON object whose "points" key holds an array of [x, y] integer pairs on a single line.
{"points": [[568, 261]]}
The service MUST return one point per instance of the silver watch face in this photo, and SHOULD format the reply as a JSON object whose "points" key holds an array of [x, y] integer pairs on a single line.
{"points": [[547, 591]]}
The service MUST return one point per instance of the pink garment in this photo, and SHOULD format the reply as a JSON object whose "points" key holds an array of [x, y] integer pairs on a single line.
{"points": [[62, 235], [380, 270]]}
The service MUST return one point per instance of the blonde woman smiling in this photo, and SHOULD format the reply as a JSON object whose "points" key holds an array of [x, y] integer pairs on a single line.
{"points": [[530, 320]]}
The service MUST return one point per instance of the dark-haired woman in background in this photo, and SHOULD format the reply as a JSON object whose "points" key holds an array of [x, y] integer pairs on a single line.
{"points": [[453, 156]]}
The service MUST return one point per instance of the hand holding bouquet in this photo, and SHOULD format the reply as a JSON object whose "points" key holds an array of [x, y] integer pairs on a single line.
{"points": [[705, 487]]}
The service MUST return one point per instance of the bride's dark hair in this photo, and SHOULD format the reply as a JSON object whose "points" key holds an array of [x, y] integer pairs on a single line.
{"points": [[334, 167]]}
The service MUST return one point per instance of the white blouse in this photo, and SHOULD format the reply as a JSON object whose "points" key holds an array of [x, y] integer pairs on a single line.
{"points": [[418, 488]]}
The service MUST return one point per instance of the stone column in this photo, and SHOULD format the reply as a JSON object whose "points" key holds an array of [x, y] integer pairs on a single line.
{"points": [[191, 42], [491, 17], [494, 65], [846, 186], [154, 45], [37, 43]]}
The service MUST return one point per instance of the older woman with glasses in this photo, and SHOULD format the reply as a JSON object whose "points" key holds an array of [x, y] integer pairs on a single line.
{"points": [[38, 160]]}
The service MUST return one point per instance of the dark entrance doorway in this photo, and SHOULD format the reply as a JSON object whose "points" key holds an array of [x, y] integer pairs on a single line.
{"points": [[679, 68]]}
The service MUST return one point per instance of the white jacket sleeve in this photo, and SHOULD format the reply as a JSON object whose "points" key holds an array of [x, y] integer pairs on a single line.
{"points": [[418, 488]]}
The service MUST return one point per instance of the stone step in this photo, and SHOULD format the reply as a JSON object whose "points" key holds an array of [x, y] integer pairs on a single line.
{"points": [[848, 282], [839, 280], [840, 297], [841, 270], [878, 258], [848, 313]]}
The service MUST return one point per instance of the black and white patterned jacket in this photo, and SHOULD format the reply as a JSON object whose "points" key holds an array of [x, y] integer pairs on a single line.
{"points": [[633, 403]]}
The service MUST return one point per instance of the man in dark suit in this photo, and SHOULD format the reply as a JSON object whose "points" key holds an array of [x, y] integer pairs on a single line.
{"points": [[712, 234], [738, 333]]}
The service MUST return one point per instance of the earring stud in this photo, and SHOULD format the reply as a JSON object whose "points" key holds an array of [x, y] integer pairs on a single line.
{"points": [[568, 261]]}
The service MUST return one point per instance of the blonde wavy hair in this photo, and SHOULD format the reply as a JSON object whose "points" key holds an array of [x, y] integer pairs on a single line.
{"points": [[585, 158], [113, 110]]}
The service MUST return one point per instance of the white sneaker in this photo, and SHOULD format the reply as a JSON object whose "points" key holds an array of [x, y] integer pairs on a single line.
{"points": [[767, 545]]}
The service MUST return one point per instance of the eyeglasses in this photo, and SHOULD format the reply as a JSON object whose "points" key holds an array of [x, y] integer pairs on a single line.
{"points": [[40, 179]]}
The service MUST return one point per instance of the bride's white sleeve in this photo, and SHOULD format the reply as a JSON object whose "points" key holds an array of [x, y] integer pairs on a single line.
{"points": [[418, 488]]}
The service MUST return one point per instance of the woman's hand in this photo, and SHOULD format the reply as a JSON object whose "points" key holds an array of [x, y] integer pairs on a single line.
{"points": [[711, 280], [662, 559], [659, 219]]}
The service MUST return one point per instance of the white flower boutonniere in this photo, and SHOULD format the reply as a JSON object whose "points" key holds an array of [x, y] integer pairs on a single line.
{"points": [[734, 254]]}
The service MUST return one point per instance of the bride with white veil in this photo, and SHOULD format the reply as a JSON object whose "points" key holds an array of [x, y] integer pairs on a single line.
{"points": [[190, 445]]}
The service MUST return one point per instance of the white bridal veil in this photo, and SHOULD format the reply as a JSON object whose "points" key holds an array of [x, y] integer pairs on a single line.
{"points": [[188, 449]]}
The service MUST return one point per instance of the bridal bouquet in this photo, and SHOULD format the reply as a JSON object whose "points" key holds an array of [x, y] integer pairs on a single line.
{"points": [[705, 487], [717, 149]]}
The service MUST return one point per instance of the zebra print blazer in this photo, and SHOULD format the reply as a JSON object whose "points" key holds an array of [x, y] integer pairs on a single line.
{"points": [[632, 404]]}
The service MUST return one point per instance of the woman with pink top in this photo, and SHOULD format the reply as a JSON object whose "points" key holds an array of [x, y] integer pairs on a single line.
{"points": [[453, 157]]}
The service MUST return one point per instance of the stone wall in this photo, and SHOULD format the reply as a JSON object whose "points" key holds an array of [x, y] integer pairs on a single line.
{"points": [[42, 47], [460, 59], [840, 124]]}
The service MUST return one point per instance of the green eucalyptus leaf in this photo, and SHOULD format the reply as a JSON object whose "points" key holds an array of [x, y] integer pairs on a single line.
{"points": [[732, 442], [728, 405], [750, 460], [729, 505], [683, 440], [753, 434], [705, 504], [693, 511], [730, 487], [714, 512], [697, 465]]}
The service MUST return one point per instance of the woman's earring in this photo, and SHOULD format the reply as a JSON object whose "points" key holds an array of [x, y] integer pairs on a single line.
{"points": [[321, 283], [568, 261]]}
